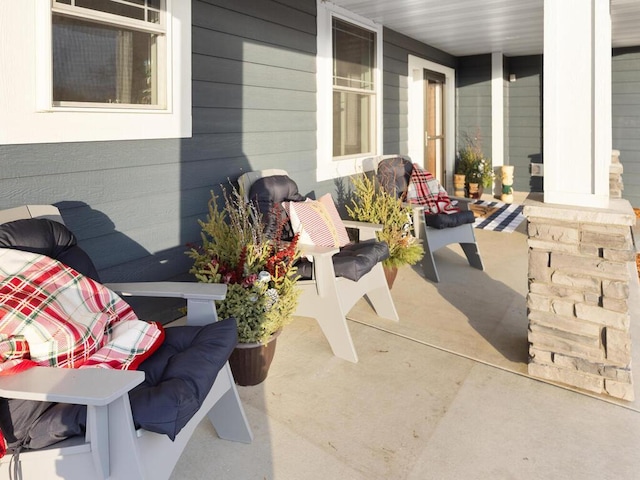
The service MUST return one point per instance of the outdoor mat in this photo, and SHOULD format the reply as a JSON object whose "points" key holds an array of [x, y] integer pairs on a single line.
{"points": [[482, 211], [497, 216]]}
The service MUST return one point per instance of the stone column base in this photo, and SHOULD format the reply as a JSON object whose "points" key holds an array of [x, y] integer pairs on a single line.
{"points": [[578, 303]]}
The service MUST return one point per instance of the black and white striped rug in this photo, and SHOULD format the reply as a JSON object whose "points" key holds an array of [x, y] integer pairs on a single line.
{"points": [[506, 218]]}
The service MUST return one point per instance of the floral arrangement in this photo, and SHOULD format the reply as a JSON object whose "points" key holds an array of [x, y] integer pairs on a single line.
{"points": [[370, 203], [260, 272], [472, 163]]}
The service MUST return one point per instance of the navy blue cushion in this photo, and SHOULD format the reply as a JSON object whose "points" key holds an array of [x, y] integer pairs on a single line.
{"points": [[353, 261], [449, 220], [179, 375]]}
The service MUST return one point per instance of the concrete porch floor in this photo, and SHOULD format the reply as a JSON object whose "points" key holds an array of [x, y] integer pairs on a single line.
{"points": [[443, 394]]}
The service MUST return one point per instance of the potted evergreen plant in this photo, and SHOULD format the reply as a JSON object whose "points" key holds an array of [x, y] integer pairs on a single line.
{"points": [[476, 168], [371, 203], [260, 274]]}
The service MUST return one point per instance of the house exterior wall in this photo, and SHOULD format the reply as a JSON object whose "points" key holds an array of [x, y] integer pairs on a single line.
{"points": [[134, 205], [626, 118], [473, 100], [523, 136], [523, 114], [397, 49]]}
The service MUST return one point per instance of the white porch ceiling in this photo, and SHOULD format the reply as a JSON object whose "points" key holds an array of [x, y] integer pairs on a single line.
{"points": [[470, 27]]}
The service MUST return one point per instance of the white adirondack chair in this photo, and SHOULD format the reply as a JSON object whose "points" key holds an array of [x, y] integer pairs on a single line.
{"points": [[328, 298], [112, 447]]}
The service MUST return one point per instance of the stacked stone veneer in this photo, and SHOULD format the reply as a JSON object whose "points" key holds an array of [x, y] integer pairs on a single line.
{"points": [[578, 310], [615, 176]]}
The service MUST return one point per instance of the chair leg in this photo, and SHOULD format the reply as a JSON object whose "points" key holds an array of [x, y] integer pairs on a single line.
{"points": [[429, 264], [227, 415], [380, 296], [473, 255], [320, 300], [328, 313], [334, 326]]}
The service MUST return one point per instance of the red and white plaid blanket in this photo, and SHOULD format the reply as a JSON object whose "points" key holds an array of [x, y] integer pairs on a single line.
{"points": [[51, 315], [424, 189]]}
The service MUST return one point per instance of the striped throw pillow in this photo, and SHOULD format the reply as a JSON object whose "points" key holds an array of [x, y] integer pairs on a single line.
{"points": [[318, 222]]}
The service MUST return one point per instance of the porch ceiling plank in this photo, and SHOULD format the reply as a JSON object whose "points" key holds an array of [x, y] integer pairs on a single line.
{"points": [[471, 27]]}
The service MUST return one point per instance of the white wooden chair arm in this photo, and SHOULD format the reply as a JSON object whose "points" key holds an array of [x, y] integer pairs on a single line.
{"points": [[97, 388], [188, 290], [461, 202], [362, 225], [414, 206], [201, 308], [366, 231], [84, 386], [317, 251]]}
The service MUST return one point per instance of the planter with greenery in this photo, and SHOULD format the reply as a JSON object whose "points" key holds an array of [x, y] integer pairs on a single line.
{"points": [[472, 163], [260, 272], [371, 203]]}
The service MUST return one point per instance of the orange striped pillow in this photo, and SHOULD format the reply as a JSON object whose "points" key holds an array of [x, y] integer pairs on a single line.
{"points": [[318, 222]]}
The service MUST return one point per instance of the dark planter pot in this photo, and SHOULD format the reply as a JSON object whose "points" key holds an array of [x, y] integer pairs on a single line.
{"points": [[250, 362], [474, 190]]}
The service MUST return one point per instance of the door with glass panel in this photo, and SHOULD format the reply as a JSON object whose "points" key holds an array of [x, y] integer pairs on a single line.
{"points": [[434, 124]]}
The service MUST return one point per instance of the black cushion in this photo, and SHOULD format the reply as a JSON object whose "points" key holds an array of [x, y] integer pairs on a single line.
{"points": [[393, 175], [31, 424], [50, 238], [353, 261], [267, 194], [449, 220]]}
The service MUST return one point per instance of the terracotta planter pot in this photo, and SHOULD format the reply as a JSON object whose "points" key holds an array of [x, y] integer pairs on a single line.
{"points": [[390, 273], [250, 362]]}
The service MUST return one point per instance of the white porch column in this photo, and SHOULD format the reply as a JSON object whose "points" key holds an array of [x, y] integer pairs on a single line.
{"points": [[577, 102], [497, 117], [581, 251]]}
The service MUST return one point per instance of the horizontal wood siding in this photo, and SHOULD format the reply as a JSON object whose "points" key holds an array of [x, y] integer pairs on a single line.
{"points": [[626, 118], [134, 205], [523, 135], [473, 101], [397, 49]]}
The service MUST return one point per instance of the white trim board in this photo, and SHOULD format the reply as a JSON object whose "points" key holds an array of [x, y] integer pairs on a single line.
{"points": [[417, 66]]}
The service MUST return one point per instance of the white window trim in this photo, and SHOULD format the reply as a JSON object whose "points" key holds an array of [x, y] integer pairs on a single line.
{"points": [[327, 168], [26, 115]]}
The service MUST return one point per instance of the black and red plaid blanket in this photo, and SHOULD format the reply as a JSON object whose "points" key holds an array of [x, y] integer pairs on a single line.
{"points": [[51, 315]]}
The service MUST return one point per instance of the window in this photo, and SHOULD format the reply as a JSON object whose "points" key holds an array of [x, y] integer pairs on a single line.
{"points": [[108, 52], [349, 91], [353, 89], [95, 70]]}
